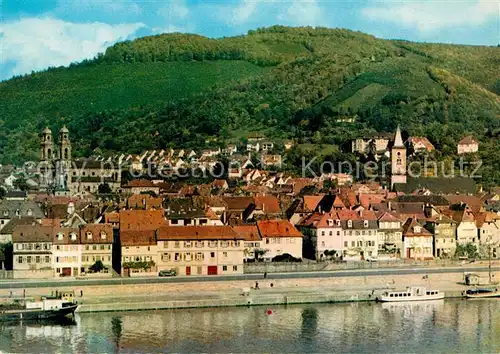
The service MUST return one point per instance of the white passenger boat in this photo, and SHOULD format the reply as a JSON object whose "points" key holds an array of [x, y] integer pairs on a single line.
{"points": [[411, 294]]}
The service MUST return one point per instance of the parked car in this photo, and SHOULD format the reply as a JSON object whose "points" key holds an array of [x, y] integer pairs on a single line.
{"points": [[167, 273], [371, 259]]}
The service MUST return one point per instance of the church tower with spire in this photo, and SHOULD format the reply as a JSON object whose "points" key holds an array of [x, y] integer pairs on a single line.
{"points": [[398, 160]]}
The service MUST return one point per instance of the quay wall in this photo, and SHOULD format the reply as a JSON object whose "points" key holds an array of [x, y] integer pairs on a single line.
{"points": [[131, 297]]}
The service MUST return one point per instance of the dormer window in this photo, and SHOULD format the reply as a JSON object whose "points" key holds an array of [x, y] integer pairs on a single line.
{"points": [[30, 212], [5, 213], [330, 222], [365, 223], [338, 222], [60, 236], [73, 236], [349, 223], [89, 235], [103, 235], [417, 229], [18, 212]]}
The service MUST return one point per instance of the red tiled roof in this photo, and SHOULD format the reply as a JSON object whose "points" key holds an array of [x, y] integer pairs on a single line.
{"points": [[277, 228], [112, 217], [323, 222], [141, 219], [367, 199], [137, 237], [269, 204], [468, 140], [421, 140], [100, 233], [197, 233], [473, 202], [237, 203], [139, 183], [409, 231], [311, 202], [144, 201], [32, 233], [248, 232]]}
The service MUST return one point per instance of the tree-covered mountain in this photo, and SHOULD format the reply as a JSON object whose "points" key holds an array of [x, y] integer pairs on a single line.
{"points": [[321, 86]]}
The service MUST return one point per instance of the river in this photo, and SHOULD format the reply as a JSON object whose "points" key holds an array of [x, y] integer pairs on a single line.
{"points": [[446, 326]]}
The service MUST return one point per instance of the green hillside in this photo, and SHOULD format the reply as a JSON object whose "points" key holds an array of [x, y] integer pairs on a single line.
{"points": [[176, 89]]}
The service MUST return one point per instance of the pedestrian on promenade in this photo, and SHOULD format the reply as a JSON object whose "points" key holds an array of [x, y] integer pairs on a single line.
{"points": [[265, 275], [81, 293], [256, 285]]}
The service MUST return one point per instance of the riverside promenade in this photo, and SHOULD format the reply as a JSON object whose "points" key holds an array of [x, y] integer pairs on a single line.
{"points": [[220, 293]]}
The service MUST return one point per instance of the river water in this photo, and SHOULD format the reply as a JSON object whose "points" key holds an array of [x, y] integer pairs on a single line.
{"points": [[446, 326]]}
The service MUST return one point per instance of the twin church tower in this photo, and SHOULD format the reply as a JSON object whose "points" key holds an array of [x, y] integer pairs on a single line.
{"points": [[55, 161]]}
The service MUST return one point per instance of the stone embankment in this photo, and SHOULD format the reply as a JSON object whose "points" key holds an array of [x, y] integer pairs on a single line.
{"points": [[244, 293]]}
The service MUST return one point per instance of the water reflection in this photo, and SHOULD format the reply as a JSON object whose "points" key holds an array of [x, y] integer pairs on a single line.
{"points": [[442, 326]]}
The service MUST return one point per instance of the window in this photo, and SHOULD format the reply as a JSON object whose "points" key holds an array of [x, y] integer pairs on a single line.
{"points": [[212, 244], [103, 235], [224, 254], [199, 256], [323, 243], [199, 244], [365, 223], [94, 247], [28, 259], [60, 236], [174, 222], [102, 247], [322, 233], [188, 257], [345, 244], [353, 243], [18, 212], [20, 259], [30, 212], [236, 244], [212, 254], [47, 259], [199, 270], [177, 257], [89, 235], [187, 244], [331, 233], [235, 268], [5, 213], [37, 259], [349, 223], [224, 268], [338, 233], [73, 236], [224, 244]]}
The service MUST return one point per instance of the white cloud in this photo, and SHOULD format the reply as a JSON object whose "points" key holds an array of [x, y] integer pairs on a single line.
{"points": [[238, 15], [434, 15], [176, 14], [175, 10], [303, 13], [37, 43]]}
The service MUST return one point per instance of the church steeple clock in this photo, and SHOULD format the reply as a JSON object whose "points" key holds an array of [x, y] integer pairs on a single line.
{"points": [[398, 160]]}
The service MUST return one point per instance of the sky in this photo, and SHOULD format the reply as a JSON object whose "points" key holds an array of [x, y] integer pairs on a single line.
{"points": [[36, 34]]}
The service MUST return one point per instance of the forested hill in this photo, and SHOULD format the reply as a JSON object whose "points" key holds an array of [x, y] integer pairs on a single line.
{"points": [[304, 83]]}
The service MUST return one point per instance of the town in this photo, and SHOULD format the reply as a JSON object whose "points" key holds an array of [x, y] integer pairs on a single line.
{"points": [[78, 218]]}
